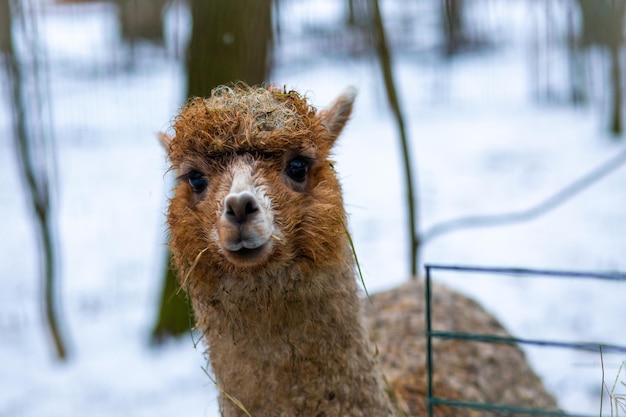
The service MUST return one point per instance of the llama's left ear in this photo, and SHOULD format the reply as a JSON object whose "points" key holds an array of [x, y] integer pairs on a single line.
{"points": [[335, 116], [165, 140]]}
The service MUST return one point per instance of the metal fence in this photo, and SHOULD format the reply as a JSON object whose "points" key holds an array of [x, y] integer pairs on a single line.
{"points": [[595, 347]]}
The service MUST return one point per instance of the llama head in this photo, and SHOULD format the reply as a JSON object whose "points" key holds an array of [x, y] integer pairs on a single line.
{"points": [[256, 191]]}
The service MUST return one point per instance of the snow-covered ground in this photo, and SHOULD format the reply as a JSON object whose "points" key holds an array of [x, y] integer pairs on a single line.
{"points": [[479, 143]]}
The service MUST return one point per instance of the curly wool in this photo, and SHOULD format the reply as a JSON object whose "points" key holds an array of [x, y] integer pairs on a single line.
{"points": [[240, 119]]}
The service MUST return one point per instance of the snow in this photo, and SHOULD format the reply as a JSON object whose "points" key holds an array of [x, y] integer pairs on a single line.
{"points": [[480, 145]]}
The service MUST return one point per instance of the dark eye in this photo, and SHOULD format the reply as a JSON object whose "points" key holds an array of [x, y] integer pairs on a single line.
{"points": [[197, 181], [297, 169]]}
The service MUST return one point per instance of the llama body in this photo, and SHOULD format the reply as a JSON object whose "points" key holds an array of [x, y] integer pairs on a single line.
{"points": [[258, 236]]}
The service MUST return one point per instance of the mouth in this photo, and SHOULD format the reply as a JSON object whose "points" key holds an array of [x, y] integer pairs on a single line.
{"points": [[247, 257]]}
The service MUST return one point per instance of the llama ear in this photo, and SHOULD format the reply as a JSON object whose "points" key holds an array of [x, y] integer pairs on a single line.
{"points": [[335, 116], [165, 140]]}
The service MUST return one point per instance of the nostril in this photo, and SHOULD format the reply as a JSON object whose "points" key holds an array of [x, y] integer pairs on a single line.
{"points": [[239, 207], [251, 207]]}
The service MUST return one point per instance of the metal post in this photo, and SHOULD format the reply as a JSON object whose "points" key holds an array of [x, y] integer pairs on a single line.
{"points": [[429, 358]]}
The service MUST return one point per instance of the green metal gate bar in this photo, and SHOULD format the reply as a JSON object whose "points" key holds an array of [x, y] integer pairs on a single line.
{"points": [[487, 338], [500, 408], [432, 400]]}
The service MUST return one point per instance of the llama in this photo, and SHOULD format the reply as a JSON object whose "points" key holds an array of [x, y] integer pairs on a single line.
{"points": [[259, 238]]}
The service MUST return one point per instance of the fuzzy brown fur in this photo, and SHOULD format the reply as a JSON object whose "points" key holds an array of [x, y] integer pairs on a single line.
{"points": [[464, 370], [283, 322]]}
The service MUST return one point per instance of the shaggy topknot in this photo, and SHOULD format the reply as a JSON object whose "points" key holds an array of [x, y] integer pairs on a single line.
{"points": [[239, 119]]}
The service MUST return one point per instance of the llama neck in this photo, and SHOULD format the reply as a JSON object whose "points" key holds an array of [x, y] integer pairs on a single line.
{"points": [[298, 348]]}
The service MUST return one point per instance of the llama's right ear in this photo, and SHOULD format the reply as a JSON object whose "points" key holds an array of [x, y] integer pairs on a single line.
{"points": [[335, 116], [165, 141]]}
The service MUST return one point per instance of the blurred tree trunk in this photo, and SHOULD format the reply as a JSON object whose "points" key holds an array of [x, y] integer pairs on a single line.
{"points": [[603, 25], [175, 313], [358, 14], [5, 27], [351, 13], [141, 20], [230, 41], [35, 159], [453, 26], [616, 81]]}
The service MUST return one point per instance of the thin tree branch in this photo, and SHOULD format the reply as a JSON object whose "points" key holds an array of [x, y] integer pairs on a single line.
{"points": [[35, 171], [384, 57], [549, 204]]}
